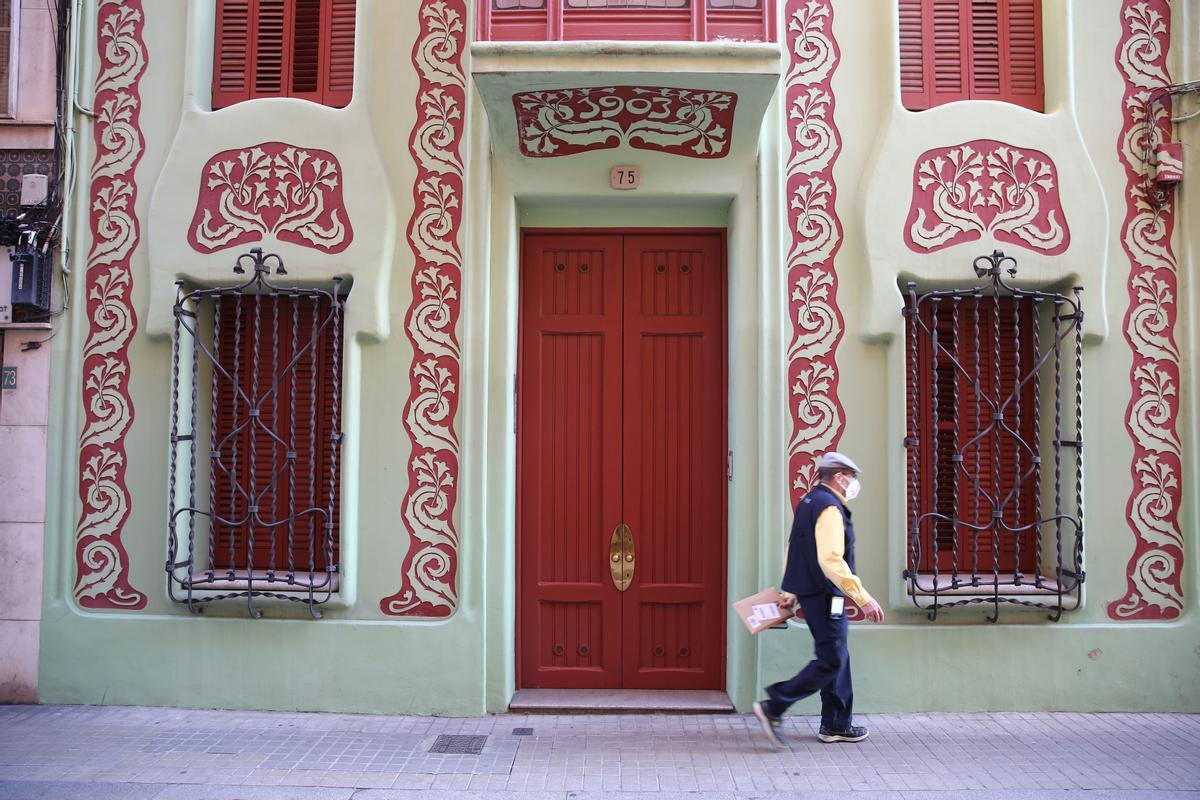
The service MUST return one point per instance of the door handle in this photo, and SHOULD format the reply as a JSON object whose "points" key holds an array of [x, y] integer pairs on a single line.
{"points": [[622, 558]]}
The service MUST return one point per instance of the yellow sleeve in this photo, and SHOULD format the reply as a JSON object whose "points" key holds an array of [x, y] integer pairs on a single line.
{"points": [[831, 555]]}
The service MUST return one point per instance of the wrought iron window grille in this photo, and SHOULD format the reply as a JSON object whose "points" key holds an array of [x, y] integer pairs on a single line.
{"points": [[986, 523], [255, 412]]}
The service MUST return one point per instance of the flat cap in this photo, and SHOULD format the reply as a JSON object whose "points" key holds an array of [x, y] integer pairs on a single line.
{"points": [[835, 460]]}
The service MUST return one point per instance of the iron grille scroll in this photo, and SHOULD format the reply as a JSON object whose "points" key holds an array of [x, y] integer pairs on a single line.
{"points": [[255, 405], [995, 481]]}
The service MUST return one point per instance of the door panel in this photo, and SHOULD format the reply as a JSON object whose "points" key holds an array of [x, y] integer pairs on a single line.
{"points": [[674, 465], [621, 420], [570, 479]]}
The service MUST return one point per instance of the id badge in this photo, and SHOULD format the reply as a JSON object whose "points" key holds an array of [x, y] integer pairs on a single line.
{"points": [[837, 607]]}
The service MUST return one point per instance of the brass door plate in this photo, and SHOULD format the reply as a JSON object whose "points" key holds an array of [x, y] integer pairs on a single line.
{"points": [[621, 558]]}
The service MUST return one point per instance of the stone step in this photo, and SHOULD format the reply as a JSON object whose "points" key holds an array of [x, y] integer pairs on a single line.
{"points": [[620, 701]]}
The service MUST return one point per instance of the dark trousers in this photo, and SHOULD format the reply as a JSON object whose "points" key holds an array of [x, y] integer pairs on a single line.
{"points": [[828, 673]]}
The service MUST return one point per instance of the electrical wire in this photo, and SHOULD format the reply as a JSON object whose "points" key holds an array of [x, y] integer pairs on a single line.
{"points": [[1157, 195], [36, 344], [2, 390]]}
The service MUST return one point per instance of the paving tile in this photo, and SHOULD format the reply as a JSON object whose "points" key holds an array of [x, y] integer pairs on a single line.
{"points": [[605, 756]]}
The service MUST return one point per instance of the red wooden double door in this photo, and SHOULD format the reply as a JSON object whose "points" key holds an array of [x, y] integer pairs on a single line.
{"points": [[622, 460]]}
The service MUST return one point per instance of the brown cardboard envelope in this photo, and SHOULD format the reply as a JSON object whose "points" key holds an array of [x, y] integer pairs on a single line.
{"points": [[762, 610]]}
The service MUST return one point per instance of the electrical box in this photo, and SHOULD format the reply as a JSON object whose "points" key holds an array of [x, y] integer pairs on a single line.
{"points": [[30, 284], [33, 189]]}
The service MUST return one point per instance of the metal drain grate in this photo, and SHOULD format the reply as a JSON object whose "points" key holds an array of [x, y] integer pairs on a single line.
{"points": [[451, 743], [522, 732]]}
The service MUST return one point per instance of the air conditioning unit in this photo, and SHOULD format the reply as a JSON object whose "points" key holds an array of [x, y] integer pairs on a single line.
{"points": [[30, 284]]}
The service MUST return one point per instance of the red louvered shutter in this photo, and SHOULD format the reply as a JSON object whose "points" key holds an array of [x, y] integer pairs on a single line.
{"points": [[306, 55], [970, 49], [1021, 35], [913, 91], [339, 52], [270, 56], [284, 492], [1006, 52], [1018, 487], [995, 466], [975, 484], [933, 52], [985, 81], [953, 412], [284, 48], [231, 60], [229, 459], [946, 51]]}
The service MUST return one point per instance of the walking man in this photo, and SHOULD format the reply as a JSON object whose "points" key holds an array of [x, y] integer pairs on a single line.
{"points": [[818, 577]]}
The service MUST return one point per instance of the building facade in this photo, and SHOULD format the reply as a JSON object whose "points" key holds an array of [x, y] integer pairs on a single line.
{"points": [[33, 148], [427, 350]]}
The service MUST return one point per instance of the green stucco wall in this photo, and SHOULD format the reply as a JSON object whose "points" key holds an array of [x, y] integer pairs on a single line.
{"points": [[356, 658]]}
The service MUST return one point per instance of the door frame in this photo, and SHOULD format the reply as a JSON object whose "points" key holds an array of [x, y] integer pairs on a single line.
{"points": [[722, 237]]}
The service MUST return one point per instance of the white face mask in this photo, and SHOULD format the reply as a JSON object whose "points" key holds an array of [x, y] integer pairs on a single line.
{"points": [[851, 489]]}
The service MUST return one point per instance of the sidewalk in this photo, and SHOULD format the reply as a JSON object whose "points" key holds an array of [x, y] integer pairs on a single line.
{"points": [[103, 753]]}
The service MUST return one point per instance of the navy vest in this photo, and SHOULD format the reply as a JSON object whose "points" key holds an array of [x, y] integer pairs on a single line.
{"points": [[803, 575]]}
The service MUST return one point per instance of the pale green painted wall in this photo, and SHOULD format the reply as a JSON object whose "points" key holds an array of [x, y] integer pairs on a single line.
{"points": [[358, 660]]}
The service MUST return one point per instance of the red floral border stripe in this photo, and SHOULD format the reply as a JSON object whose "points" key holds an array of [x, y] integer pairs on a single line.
{"points": [[816, 235], [1154, 574], [430, 567], [102, 565]]}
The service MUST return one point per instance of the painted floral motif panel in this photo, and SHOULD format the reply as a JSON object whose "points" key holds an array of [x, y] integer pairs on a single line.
{"points": [[271, 189], [963, 192]]}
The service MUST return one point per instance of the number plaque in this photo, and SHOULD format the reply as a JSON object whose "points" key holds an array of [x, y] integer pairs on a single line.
{"points": [[626, 177]]}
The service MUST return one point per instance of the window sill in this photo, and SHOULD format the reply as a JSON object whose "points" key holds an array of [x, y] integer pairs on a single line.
{"points": [[923, 584], [260, 580], [29, 326], [197, 591]]}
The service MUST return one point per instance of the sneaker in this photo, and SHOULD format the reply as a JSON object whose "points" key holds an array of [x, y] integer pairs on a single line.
{"points": [[855, 733], [770, 724]]}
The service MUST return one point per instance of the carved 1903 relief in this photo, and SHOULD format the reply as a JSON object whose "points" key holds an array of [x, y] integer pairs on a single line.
{"points": [[963, 192], [271, 189], [688, 122]]}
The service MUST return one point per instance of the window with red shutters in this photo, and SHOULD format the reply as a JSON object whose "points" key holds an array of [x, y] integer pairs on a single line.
{"points": [[970, 50], [255, 459], [283, 460], [993, 443], [284, 48]]}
